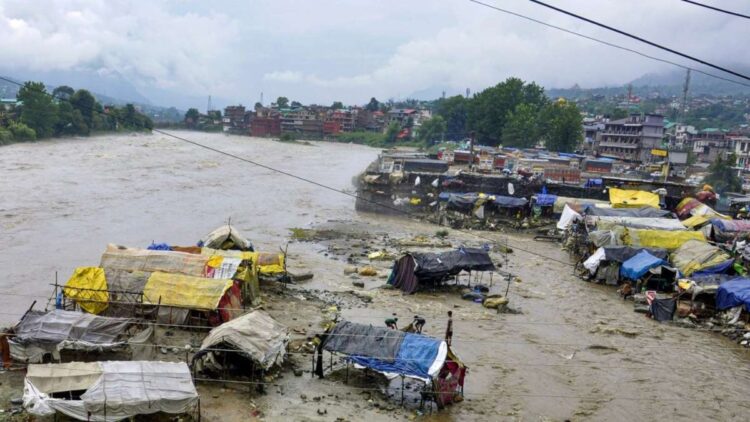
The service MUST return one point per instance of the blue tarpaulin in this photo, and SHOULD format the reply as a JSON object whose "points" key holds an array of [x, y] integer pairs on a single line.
{"points": [[509, 201], [545, 200], [159, 247], [414, 358], [733, 293], [716, 269], [635, 267]]}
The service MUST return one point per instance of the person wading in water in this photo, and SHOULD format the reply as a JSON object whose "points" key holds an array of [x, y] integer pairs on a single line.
{"points": [[449, 329]]}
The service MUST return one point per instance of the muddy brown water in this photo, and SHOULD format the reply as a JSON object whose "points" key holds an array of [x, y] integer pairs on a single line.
{"points": [[576, 351]]}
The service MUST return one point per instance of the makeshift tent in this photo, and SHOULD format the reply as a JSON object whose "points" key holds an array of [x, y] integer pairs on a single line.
{"points": [[133, 259], [41, 333], [432, 267], [733, 293], [395, 353], [567, 217], [88, 287], [113, 390], [695, 221], [659, 238], [635, 267], [607, 238], [621, 198], [726, 230], [227, 238], [501, 201], [623, 253], [255, 335], [592, 262], [695, 255], [643, 212], [576, 204], [606, 223], [459, 201], [194, 293], [544, 200]]}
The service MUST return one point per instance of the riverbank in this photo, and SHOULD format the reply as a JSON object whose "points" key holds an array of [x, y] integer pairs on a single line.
{"points": [[573, 351]]}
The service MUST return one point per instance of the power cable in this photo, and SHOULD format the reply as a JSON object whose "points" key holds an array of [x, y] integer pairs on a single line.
{"points": [[312, 182], [607, 43], [729, 12], [643, 40]]}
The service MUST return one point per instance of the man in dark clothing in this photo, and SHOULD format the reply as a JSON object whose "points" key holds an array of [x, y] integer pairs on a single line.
{"points": [[418, 324], [449, 329], [391, 323]]}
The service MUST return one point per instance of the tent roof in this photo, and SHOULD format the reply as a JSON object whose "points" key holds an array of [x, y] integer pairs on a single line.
{"points": [[436, 266], [606, 222], [255, 334], [184, 291], [60, 325], [621, 198], [134, 259], [226, 237], [627, 212], [54, 378], [695, 255]]}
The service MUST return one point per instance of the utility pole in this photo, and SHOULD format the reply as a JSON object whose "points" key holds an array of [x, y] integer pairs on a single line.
{"points": [[261, 97], [208, 106], [685, 88], [472, 134]]}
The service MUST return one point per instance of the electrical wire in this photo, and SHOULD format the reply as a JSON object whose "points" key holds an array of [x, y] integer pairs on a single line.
{"points": [[607, 43], [643, 40], [729, 12], [318, 184]]}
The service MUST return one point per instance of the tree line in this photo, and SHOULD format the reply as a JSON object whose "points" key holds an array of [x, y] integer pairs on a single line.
{"points": [[513, 114], [65, 112]]}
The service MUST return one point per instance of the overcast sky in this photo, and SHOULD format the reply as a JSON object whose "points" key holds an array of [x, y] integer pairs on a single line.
{"points": [[320, 51]]}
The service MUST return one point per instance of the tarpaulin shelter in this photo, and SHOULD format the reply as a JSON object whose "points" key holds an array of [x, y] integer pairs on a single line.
{"points": [[623, 253], [226, 237], [134, 259], [726, 230], [606, 223], [621, 198], [642, 212], [544, 200], [112, 391], [735, 292], [41, 333], [567, 217], [88, 287], [576, 204], [695, 255], [459, 201], [413, 269], [686, 205], [255, 335], [635, 267], [501, 201], [695, 221], [659, 238], [396, 353]]}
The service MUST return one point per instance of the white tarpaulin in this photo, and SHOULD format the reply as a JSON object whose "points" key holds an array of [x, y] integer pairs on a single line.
{"points": [[118, 390], [255, 334], [592, 263], [606, 223], [567, 217]]}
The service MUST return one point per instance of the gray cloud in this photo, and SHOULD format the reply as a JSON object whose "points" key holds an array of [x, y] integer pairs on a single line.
{"points": [[341, 50]]}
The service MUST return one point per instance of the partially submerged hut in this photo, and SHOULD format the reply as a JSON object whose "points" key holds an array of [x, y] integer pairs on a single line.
{"points": [[109, 391], [413, 270], [249, 345], [395, 353]]}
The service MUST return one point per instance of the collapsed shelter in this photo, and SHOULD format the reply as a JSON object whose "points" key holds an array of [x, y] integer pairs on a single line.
{"points": [[415, 269]]}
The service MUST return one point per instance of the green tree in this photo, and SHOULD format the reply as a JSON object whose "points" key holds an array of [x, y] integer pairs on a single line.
{"points": [[296, 104], [337, 105], [282, 102], [63, 92], [191, 117], [373, 105], [562, 126], [488, 110], [454, 111], [258, 106], [38, 111], [21, 132], [722, 176], [521, 128], [432, 130], [391, 133], [69, 121], [84, 102]]}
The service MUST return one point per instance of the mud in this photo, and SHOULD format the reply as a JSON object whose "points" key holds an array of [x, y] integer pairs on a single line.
{"points": [[574, 352]]}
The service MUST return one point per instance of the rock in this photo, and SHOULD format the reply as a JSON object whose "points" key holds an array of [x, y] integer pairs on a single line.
{"points": [[303, 396], [17, 401], [316, 398], [368, 271], [323, 412], [495, 302], [360, 284], [350, 269], [297, 372], [163, 350]]}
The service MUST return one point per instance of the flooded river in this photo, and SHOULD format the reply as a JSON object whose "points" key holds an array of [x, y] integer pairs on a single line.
{"points": [[575, 352]]}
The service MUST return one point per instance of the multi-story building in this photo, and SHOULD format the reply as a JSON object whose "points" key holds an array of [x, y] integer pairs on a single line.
{"points": [[266, 122], [301, 121], [234, 119], [372, 121], [710, 143], [631, 138], [741, 150], [345, 120]]}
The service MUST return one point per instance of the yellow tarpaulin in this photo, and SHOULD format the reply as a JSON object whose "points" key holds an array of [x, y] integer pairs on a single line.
{"points": [[88, 287], [694, 256], [184, 291], [267, 263], [694, 221], [621, 198], [659, 238]]}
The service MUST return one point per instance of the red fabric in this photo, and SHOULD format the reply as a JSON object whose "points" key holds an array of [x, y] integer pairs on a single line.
{"points": [[230, 305]]}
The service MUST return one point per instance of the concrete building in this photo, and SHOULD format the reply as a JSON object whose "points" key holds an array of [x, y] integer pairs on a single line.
{"points": [[266, 122], [234, 119], [742, 150], [301, 121], [632, 138], [710, 143]]}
